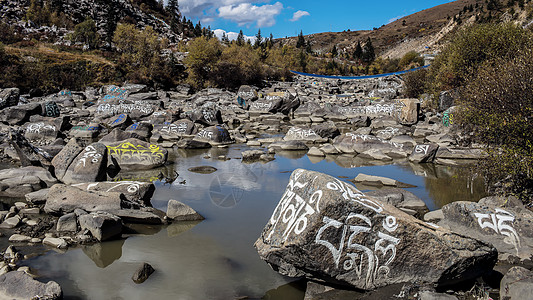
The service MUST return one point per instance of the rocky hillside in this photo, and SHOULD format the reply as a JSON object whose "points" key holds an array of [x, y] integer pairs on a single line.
{"points": [[69, 12], [423, 31]]}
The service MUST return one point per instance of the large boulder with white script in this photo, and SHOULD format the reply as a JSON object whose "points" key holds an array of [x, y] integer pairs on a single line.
{"points": [[327, 230], [358, 143]]}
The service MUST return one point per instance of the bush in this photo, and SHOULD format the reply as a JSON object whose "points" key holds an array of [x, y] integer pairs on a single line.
{"points": [[497, 106], [472, 47], [237, 65], [415, 83], [85, 32], [203, 56], [411, 58]]}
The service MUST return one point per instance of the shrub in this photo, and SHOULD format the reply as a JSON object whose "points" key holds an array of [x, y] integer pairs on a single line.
{"points": [[237, 65], [85, 32], [202, 58], [497, 106], [411, 58], [415, 83], [472, 47]]}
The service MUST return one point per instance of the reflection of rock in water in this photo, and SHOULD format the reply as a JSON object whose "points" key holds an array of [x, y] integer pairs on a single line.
{"points": [[218, 151], [455, 184], [146, 175], [349, 161], [178, 228], [187, 153], [424, 170], [315, 159], [104, 254], [144, 229], [290, 291], [291, 154]]}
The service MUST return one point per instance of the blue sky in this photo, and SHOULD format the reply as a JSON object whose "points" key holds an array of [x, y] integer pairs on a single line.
{"points": [[287, 17]]}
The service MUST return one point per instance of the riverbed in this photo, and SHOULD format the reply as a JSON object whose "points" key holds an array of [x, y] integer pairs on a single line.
{"points": [[215, 258]]}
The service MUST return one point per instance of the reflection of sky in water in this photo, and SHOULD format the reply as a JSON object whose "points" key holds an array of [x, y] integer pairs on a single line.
{"points": [[214, 259]]}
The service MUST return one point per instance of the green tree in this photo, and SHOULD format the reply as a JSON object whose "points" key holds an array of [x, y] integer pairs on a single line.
{"points": [[240, 38], [334, 51], [174, 12], [203, 56], [86, 33], [368, 52], [300, 43], [358, 52], [38, 12], [258, 39]]}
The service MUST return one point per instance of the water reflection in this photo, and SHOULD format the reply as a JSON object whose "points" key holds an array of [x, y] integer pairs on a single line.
{"points": [[104, 254]]}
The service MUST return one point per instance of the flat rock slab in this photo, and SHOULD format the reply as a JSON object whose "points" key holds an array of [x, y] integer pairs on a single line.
{"points": [[103, 226], [179, 211], [64, 199], [358, 143], [19, 285], [380, 181], [138, 194], [20, 181], [326, 229]]}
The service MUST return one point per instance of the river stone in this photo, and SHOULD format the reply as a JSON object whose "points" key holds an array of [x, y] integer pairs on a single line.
{"points": [[215, 135], [37, 197], [302, 134], [326, 130], [19, 285], [207, 116], [174, 131], [134, 154], [179, 211], [65, 157], [374, 154], [351, 143], [246, 95], [88, 166], [517, 284], [269, 104], [67, 222], [509, 229], [20, 181], [140, 130], [424, 153], [314, 151], [202, 169], [64, 199], [146, 215], [41, 131], [142, 273], [192, 144], [19, 238], [401, 198], [326, 229], [11, 222], [289, 146], [121, 121], [138, 194], [103, 226], [50, 109], [380, 181], [409, 111], [9, 97], [20, 114], [57, 243]]}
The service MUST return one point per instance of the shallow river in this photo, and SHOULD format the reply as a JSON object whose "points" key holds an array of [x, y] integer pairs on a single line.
{"points": [[215, 258]]}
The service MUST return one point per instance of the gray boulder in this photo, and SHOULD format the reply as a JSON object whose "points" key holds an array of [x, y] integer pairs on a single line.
{"points": [[246, 95], [424, 153], [137, 194], [207, 116], [41, 131], [50, 109], [19, 285], [327, 230], [9, 97], [103, 226], [134, 154], [179, 211], [505, 226], [20, 181], [67, 222], [215, 135], [20, 114], [303, 134], [64, 199], [142, 273], [65, 157], [410, 109], [89, 166], [517, 284], [357, 143]]}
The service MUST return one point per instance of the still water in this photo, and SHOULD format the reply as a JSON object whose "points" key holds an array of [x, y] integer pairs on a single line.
{"points": [[215, 258]]}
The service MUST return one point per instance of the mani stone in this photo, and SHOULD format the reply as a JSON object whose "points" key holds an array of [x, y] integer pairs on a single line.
{"points": [[19, 285], [63, 199], [246, 95], [409, 111], [505, 225], [103, 226], [65, 157], [138, 194], [302, 134], [351, 143], [215, 135], [424, 153], [179, 211], [327, 230], [134, 154], [88, 166]]}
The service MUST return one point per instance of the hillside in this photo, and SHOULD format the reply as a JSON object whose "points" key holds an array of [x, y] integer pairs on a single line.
{"points": [[422, 31]]}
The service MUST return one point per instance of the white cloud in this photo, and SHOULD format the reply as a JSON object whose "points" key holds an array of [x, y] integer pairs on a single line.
{"points": [[298, 15], [246, 13], [232, 35], [199, 8]]}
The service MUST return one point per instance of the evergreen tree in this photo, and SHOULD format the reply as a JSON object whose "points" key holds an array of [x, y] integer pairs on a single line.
{"points": [[358, 52], [368, 52], [258, 39], [240, 38], [198, 29], [225, 38], [300, 43], [111, 21], [174, 12], [334, 51]]}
